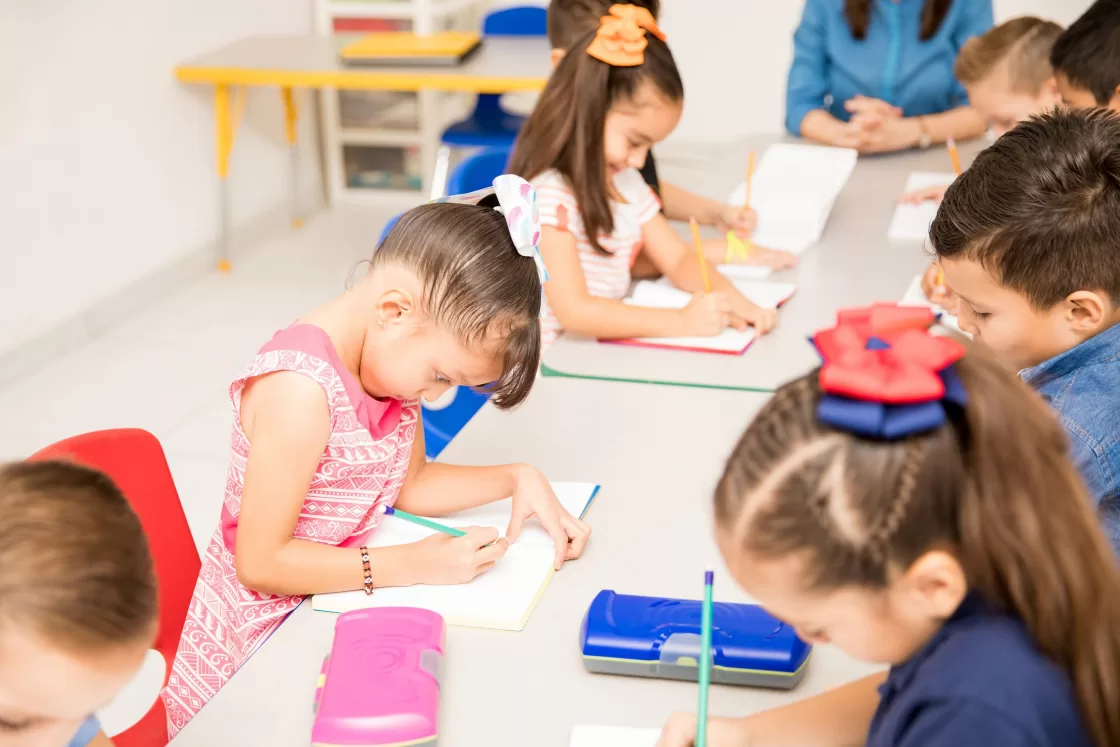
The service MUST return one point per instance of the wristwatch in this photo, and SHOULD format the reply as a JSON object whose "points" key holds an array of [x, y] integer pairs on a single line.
{"points": [[924, 140]]}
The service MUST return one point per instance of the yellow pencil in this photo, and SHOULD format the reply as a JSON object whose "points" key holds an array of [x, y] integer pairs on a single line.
{"points": [[750, 178], [952, 146], [700, 254]]}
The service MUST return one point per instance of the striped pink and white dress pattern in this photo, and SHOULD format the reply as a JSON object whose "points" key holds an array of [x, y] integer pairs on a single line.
{"points": [[606, 275], [362, 467]]}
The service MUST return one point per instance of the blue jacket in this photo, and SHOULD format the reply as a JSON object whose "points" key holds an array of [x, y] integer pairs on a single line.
{"points": [[891, 63], [1082, 385]]}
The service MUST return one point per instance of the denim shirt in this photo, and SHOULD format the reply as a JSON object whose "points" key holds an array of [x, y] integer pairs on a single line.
{"points": [[891, 62], [1082, 385], [979, 682]]}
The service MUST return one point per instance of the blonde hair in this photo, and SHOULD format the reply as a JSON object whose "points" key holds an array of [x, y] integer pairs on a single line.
{"points": [[75, 567], [1024, 42]]}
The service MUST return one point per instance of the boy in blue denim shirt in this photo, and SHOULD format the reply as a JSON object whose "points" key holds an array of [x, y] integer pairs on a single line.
{"points": [[1029, 239]]}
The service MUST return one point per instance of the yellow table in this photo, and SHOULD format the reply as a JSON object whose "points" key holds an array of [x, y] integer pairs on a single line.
{"points": [[501, 65]]}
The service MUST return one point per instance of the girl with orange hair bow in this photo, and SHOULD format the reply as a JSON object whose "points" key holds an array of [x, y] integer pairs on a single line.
{"points": [[615, 93]]}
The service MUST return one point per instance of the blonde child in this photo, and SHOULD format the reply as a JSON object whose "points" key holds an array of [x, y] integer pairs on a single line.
{"points": [[568, 21], [951, 540], [613, 95], [77, 602], [327, 432]]}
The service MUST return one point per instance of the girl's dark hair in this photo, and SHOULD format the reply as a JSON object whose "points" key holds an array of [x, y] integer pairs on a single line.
{"points": [[475, 284], [933, 13], [565, 130], [568, 20], [994, 485], [74, 562]]}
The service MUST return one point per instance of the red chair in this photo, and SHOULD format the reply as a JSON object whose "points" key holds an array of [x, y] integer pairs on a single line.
{"points": [[135, 460]]}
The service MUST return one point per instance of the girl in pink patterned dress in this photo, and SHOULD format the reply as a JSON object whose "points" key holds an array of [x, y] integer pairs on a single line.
{"points": [[326, 432]]}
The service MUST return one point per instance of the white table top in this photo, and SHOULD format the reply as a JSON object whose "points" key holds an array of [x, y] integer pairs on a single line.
{"points": [[651, 536], [853, 265], [501, 65]]}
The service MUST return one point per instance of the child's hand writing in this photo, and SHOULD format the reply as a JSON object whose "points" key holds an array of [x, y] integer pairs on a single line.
{"points": [[775, 258], [761, 319], [443, 560], [680, 731], [929, 194], [739, 219], [940, 295], [533, 496], [708, 314]]}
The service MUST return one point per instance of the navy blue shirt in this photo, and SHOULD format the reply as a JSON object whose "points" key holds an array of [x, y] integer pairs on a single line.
{"points": [[1081, 386], [980, 682]]}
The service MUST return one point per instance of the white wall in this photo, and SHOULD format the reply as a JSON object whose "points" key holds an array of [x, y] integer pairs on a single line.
{"points": [[107, 162], [734, 55]]}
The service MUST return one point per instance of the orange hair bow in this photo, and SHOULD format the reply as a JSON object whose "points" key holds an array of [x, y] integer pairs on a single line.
{"points": [[621, 39]]}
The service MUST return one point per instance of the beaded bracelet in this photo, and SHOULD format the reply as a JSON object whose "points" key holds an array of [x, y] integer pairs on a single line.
{"points": [[366, 572]]}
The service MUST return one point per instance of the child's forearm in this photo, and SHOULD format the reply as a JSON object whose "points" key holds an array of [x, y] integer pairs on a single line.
{"points": [[440, 489], [961, 123], [607, 319], [680, 204], [304, 567], [837, 718]]}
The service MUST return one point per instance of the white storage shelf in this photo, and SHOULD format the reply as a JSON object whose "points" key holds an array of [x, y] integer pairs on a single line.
{"points": [[381, 145]]}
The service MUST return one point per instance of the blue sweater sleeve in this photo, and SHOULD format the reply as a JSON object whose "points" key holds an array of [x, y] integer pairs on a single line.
{"points": [[976, 20], [808, 75]]}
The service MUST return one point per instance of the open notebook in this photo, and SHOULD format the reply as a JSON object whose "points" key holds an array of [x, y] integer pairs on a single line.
{"points": [[915, 297], [662, 295], [613, 736], [503, 597], [793, 191], [745, 272], [911, 222]]}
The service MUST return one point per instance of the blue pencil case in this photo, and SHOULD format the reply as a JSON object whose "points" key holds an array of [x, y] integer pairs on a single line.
{"points": [[659, 637]]}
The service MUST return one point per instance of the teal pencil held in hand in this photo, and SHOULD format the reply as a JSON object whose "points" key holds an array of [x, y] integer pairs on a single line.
{"points": [[421, 521], [705, 660]]}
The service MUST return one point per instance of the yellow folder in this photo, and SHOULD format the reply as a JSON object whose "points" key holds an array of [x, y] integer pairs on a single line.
{"points": [[402, 47]]}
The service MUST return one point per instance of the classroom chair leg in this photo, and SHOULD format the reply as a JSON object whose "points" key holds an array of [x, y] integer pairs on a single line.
{"points": [[439, 176], [291, 131]]}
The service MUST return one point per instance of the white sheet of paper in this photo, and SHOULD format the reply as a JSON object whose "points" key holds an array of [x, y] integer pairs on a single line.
{"points": [[745, 272], [503, 597], [915, 297], [793, 191], [762, 293], [613, 736], [657, 296], [911, 222]]}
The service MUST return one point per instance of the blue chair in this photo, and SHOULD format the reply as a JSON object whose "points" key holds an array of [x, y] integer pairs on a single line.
{"points": [[489, 125], [388, 227], [478, 170]]}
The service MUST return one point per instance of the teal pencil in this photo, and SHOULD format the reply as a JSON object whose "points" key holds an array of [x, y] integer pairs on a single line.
{"points": [[705, 660], [421, 521]]}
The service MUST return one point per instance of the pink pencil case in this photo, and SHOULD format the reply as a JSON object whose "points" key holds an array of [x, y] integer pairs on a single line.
{"points": [[379, 686]]}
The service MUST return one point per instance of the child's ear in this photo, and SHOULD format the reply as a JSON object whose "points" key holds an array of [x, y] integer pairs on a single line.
{"points": [[555, 57], [935, 584], [1114, 102], [394, 307], [1086, 310]]}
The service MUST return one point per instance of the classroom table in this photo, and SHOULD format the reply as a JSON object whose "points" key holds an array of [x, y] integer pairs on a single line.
{"points": [[651, 535], [853, 265], [500, 65]]}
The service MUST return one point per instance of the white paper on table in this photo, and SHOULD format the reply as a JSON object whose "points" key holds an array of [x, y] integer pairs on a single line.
{"points": [[911, 222], [503, 597], [613, 736], [915, 297], [762, 293], [793, 191], [745, 272], [654, 295]]}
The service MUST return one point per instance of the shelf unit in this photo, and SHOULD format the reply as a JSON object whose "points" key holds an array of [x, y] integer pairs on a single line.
{"points": [[380, 146]]}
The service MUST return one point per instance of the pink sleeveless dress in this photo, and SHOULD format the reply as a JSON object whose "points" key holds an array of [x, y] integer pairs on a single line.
{"points": [[362, 468]]}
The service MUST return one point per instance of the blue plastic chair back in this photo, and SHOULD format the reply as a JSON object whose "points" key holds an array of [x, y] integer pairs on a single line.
{"points": [[443, 424], [523, 20], [478, 170]]}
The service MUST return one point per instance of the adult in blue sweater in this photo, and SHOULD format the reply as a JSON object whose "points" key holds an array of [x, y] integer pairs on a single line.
{"points": [[877, 75]]}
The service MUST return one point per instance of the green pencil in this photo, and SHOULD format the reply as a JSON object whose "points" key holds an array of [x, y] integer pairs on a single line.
{"points": [[421, 521], [705, 660]]}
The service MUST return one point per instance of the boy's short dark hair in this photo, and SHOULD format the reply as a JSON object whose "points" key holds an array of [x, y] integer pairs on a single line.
{"points": [[568, 20], [1088, 53], [1040, 208]]}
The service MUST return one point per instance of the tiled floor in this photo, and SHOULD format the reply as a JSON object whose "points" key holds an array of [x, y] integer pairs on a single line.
{"points": [[167, 369]]}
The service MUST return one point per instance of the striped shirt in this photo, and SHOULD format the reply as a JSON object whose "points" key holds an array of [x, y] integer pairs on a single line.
{"points": [[606, 275]]}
